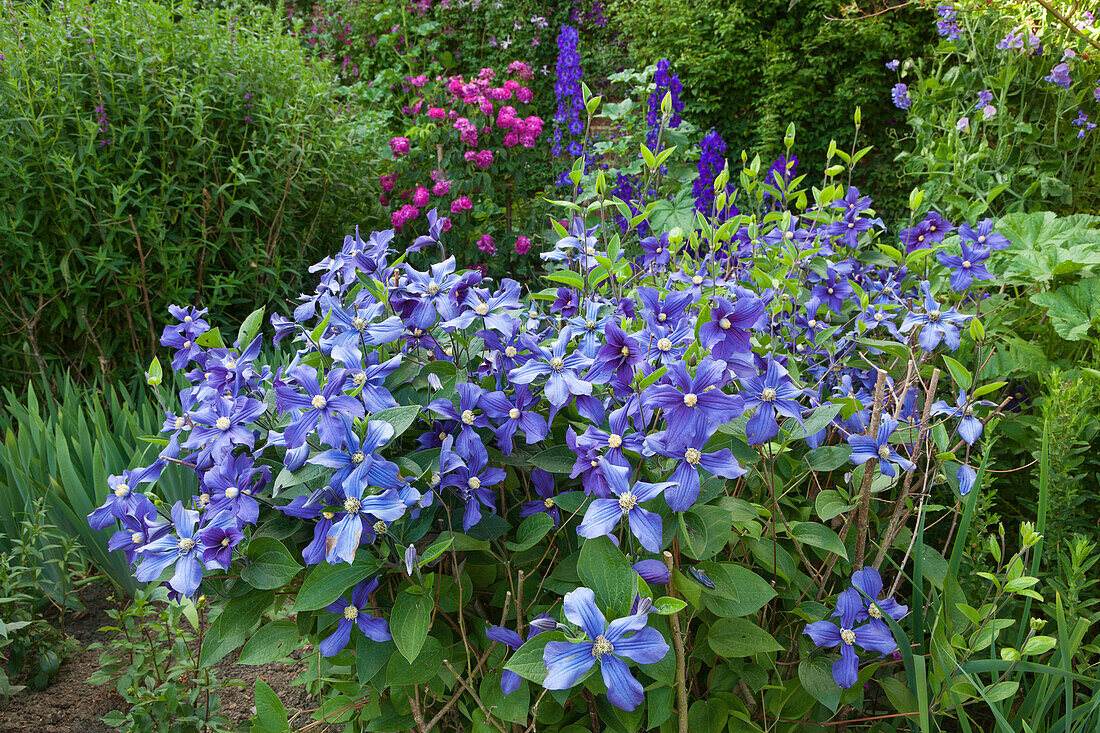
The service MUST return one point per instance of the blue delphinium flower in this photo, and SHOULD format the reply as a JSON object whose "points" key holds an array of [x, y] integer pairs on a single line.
{"points": [[374, 628], [772, 394], [873, 637], [567, 661], [665, 83], [712, 152], [180, 548], [936, 324], [866, 448], [603, 515], [567, 88]]}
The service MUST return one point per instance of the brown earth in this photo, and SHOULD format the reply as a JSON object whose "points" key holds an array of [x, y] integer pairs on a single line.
{"points": [[71, 705]]}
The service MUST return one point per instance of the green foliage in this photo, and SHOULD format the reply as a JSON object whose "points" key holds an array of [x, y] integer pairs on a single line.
{"points": [[1021, 149], [38, 575], [60, 450], [152, 661], [159, 153], [749, 69]]}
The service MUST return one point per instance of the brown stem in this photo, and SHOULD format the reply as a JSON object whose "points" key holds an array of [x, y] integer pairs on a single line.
{"points": [[678, 646], [868, 475]]}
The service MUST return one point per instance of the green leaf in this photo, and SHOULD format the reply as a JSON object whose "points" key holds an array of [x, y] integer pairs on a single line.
{"points": [[237, 618], [155, 374], [557, 459], [603, 568], [527, 661], [566, 277], [818, 535], [273, 641], [816, 676], [958, 372], [272, 564], [425, 665], [739, 637], [830, 503], [409, 622], [737, 590], [270, 713], [1073, 309], [371, 656], [434, 550], [307, 474], [705, 530], [666, 606], [829, 457], [328, 582], [401, 418], [212, 339], [818, 420], [530, 531], [250, 327]]}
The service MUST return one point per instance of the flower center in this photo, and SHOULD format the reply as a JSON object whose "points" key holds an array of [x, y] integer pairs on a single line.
{"points": [[231, 365], [482, 309], [981, 239], [180, 422], [933, 316], [186, 544], [319, 402], [590, 325], [350, 612], [625, 351], [768, 394], [513, 413], [231, 492], [590, 250], [204, 499], [327, 515], [557, 363], [225, 542], [380, 527], [697, 280], [812, 323], [510, 351], [187, 319], [137, 538], [418, 332], [614, 441], [601, 646], [187, 344], [966, 264], [627, 500], [848, 636], [789, 235], [692, 456], [468, 417], [829, 291], [548, 503], [851, 225], [122, 490], [920, 238], [725, 323], [879, 316], [433, 289], [664, 345], [474, 482], [359, 323], [351, 505], [691, 399], [662, 317], [358, 457], [883, 452], [873, 612], [222, 423]]}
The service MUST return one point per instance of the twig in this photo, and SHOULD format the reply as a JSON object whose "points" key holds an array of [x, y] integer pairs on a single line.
{"points": [[681, 665], [868, 475], [477, 699]]}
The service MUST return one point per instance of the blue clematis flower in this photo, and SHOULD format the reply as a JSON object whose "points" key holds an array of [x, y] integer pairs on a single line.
{"points": [[544, 489], [360, 513], [603, 515], [873, 637], [727, 333], [869, 583], [966, 268], [936, 324], [970, 427], [122, 501], [772, 394], [222, 425], [562, 372], [513, 413], [232, 484], [628, 637], [374, 628], [694, 405], [689, 460], [322, 409], [181, 549], [865, 448], [509, 680], [983, 235], [614, 362]]}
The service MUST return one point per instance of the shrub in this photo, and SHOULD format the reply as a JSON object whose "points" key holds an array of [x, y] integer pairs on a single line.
{"points": [[750, 68], [715, 451], [157, 153], [1003, 110]]}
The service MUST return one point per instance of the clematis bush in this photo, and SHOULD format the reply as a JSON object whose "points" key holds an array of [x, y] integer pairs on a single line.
{"points": [[711, 486]]}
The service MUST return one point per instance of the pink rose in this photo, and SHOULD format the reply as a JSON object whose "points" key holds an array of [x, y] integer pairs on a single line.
{"points": [[389, 180], [523, 245], [485, 106], [525, 95], [511, 139], [486, 245], [469, 155], [484, 158], [437, 113], [461, 204], [511, 85], [420, 198], [441, 188], [399, 145]]}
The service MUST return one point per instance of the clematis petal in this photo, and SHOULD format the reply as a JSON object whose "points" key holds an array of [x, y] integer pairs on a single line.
{"points": [[580, 608], [623, 691], [566, 662]]}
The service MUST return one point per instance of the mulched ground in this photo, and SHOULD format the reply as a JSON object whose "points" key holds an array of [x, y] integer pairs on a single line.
{"points": [[71, 705]]}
